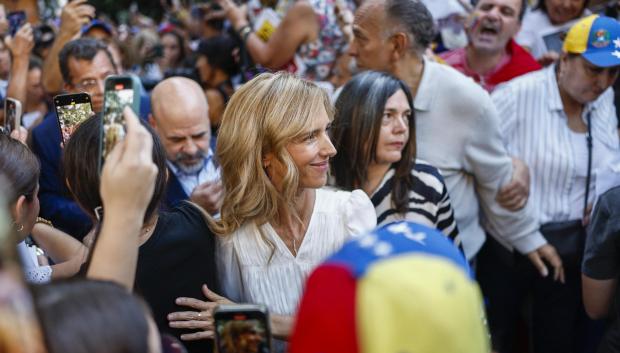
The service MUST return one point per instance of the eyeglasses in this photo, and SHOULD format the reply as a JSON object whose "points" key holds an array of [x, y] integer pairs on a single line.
{"points": [[88, 84]]}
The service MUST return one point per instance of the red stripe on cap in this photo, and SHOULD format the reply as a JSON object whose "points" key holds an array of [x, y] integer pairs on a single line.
{"points": [[326, 315]]}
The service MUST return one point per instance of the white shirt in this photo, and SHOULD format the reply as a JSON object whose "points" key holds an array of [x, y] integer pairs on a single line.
{"points": [[535, 129], [33, 272], [579, 148], [242, 258], [457, 131], [209, 172]]}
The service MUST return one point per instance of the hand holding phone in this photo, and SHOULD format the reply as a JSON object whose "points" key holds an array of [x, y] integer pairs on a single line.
{"points": [[242, 328], [12, 114], [71, 110], [120, 91], [22, 42], [16, 20], [74, 15]]}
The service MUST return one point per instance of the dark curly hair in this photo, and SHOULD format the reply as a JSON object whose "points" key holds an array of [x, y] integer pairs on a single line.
{"points": [[219, 53]]}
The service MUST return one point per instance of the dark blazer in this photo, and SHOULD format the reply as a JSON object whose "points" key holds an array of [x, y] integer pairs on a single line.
{"points": [[174, 191], [56, 202]]}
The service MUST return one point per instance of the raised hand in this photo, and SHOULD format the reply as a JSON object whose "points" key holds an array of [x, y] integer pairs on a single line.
{"points": [[74, 15], [22, 43]]}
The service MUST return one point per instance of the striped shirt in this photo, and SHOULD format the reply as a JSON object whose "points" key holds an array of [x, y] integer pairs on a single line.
{"points": [[535, 129], [429, 203]]}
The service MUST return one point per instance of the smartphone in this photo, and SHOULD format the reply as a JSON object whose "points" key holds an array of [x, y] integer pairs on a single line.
{"points": [[12, 114], [71, 110], [16, 19], [119, 92], [242, 328]]}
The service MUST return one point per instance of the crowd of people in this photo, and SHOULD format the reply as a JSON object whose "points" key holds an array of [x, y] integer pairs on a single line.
{"points": [[370, 175]]}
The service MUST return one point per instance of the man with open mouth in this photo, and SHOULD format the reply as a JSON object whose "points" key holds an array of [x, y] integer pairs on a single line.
{"points": [[492, 56]]}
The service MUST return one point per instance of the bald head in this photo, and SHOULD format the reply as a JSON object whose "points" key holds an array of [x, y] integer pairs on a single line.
{"points": [[174, 97], [180, 116]]}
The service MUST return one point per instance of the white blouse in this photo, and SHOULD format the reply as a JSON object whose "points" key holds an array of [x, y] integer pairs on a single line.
{"points": [[245, 274], [33, 272]]}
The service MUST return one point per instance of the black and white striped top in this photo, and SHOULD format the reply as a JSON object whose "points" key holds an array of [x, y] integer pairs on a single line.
{"points": [[429, 203]]}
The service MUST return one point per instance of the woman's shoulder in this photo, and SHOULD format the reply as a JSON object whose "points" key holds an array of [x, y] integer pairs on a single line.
{"points": [[328, 198], [186, 214], [423, 168], [354, 207], [424, 172]]}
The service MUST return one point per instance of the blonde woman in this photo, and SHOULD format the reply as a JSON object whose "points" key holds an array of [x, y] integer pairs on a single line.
{"points": [[277, 223]]}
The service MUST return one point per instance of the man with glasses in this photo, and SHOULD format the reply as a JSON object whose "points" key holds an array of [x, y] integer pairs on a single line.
{"points": [[84, 64]]}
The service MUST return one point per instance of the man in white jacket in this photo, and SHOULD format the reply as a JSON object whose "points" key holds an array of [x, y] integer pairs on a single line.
{"points": [[457, 128]]}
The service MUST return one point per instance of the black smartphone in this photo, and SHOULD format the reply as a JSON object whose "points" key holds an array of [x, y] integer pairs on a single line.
{"points": [[119, 92], [12, 114], [16, 19], [71, 110], [242, 328]]}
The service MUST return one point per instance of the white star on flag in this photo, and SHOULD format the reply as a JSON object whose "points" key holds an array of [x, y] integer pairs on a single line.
{"points": [[403, 229], [617, 42], [616, 54]]}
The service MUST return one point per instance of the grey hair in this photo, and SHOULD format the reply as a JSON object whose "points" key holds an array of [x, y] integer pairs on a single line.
{"points": [[412, 17]]}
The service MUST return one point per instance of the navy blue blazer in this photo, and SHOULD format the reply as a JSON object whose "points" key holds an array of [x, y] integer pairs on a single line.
{"points": [[56, 202], [174, 191]]}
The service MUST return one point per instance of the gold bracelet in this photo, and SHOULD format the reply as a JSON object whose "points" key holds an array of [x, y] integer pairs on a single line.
{"points": [[44, 221]]}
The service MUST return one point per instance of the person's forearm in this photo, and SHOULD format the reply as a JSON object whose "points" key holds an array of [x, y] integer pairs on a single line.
{"points": [[58, 245], [115, 254], [18, 79], [298, 25], [282, 326], [260, 52], [65, 269], [51, 76]]}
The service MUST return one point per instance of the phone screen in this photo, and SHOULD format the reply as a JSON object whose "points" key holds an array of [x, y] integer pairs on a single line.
{"points": [[72, 111], [240, 333], [10, 119], [116, 97], [16, 19]]}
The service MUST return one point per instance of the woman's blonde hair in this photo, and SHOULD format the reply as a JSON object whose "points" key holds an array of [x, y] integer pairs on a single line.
{"points": [[262, 117]]}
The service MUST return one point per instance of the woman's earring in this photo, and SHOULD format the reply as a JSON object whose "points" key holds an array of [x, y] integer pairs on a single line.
{"points": [[19, 227]]}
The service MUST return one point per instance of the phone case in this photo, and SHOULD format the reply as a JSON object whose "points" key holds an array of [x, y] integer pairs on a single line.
{"points": [[115, 130], [75, 115], [12, 121], [242, 328]]}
